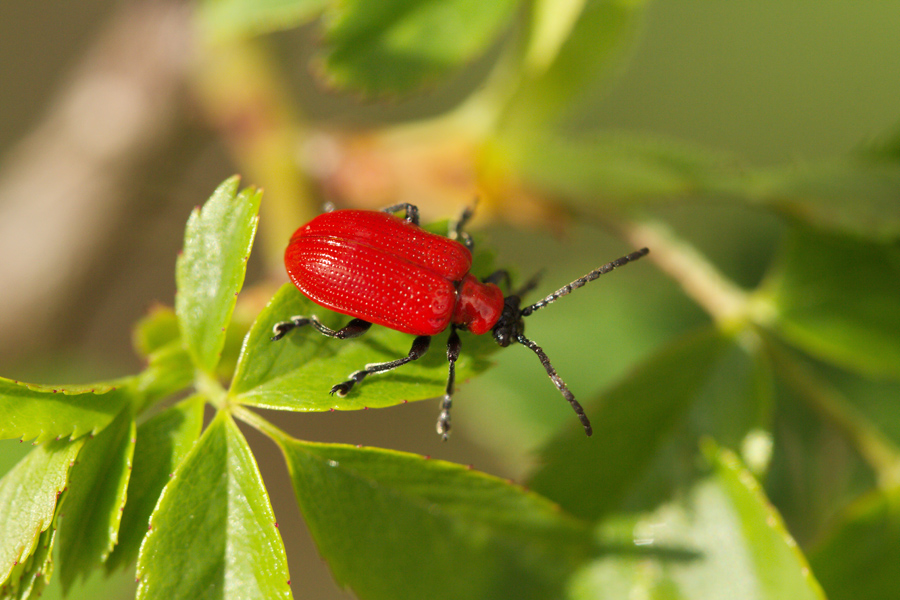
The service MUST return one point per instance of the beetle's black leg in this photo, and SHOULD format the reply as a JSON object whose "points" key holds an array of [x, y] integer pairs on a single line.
{"points": [[412, 211], [557, 381], [354, 328], [529, 285], [500, 277], [419, 348], [453, 348], [457, 229]]}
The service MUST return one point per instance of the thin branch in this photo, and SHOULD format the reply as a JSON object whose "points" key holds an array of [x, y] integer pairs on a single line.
{"points": [[725, 302]]}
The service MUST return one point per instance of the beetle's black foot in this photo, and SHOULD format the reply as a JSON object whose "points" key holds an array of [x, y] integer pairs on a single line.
{"points": [[342, 389], [281, 329], [443, 425]]}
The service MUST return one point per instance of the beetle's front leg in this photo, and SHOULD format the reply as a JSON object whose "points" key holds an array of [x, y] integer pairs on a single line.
{"points": [[419, 348], [354, 328], [453, 348]]}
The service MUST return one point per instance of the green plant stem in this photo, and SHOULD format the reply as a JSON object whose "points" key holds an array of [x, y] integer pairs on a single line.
{"points": [[210, 388], [734, 310], [260, 424]]}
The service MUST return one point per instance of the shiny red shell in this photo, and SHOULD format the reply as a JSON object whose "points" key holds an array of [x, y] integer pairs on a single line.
{"points": [[383, 269]]}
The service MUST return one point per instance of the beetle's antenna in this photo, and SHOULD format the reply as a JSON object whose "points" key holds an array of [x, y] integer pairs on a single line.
{"points": [[583, 280], [557, 381]]}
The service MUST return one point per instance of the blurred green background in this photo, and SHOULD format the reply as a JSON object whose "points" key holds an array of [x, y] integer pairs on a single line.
{"points": [[770, 82]]}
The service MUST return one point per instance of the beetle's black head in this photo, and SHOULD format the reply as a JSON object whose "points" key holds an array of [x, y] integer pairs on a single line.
{"points": [[510, 325]]}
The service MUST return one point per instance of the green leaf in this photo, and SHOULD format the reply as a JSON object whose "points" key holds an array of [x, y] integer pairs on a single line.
{"points": [[394, 46], [155, 330], [851, 195], [566, 58], [551, 24], [395, 525], [30, 577], [780, 569], [169, 370], [28, 495], [210, 271], [297, 372], [725, 541], [859, 557], [46, 412], [632, 427], [587, 167], [162, 443], [826, 451], [230, 18], [213, 533], [93, 505], [837, 298]]}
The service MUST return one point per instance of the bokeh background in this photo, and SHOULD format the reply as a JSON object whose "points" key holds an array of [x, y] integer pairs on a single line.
{"points": [[107, 141]]}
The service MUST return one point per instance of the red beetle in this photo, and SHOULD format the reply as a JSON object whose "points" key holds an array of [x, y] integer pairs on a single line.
{"points": [[382, 269]]}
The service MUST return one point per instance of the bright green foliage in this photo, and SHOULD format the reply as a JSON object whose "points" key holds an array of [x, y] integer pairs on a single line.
{"points": [[213, 533], [46, 412], [30, 577], [383, 47], [564, 63], [636, 511], [93, 505], [394, 45], [776, 567], [162, 443], [155, 331], [210, 271], [29, 495], [169, 370], [296, 373], [453, 533], [723, 540]]}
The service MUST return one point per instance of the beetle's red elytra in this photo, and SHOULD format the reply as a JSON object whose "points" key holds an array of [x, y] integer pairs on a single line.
{"points": [[415, 281], [384, 270]]}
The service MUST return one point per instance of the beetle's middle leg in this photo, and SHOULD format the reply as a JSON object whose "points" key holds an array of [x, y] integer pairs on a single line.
{"points": [[457, 229], [453, 348], [354, 328], [502, 278], [411, 210], [419, 348]]}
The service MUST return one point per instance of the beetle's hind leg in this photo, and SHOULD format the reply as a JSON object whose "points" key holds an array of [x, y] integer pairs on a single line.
{"points": [[453, 348], [419, 348], [354, 328]]}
